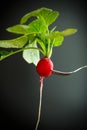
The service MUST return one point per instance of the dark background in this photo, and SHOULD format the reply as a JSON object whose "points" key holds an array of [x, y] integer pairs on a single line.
{"points": [[64, 105]]}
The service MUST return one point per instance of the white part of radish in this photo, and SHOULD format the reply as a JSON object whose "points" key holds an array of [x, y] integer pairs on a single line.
{"points": [[68, 73], [40, 102]]}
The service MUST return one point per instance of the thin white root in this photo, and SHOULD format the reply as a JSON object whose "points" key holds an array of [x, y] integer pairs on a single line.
{"points": [[40, 102], [68, 73]]}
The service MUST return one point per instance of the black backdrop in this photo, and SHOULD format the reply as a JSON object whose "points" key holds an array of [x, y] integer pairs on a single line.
{"points": [[64, 105]]}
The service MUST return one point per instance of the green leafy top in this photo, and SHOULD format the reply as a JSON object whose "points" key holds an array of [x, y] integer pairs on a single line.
{"points": [[35, 36]]}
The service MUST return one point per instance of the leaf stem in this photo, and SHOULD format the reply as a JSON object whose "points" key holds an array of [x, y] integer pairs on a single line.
{"points": [[40, 102], [20, 50], [68, 73]]}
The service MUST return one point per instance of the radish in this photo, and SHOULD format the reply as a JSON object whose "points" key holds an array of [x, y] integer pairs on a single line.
{"points": [[44, 67], [36, 33]]}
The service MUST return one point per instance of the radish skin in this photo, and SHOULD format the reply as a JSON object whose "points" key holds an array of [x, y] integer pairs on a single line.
{"points": [[44, 67]]}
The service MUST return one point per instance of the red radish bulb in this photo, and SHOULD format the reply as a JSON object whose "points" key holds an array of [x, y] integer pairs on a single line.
{"points": [[44, 67]]}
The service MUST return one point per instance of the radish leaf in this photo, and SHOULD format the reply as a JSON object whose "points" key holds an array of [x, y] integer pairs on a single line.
{"points": [[4, 54], [18, 29], [68, 32], [58, 41], [35, 32], [38, 25], [14, 43], [48, 15], [51, 17], [31, 55]]}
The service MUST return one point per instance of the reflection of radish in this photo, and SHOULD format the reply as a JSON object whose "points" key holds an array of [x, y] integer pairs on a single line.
{"points": [[45, 69]]}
